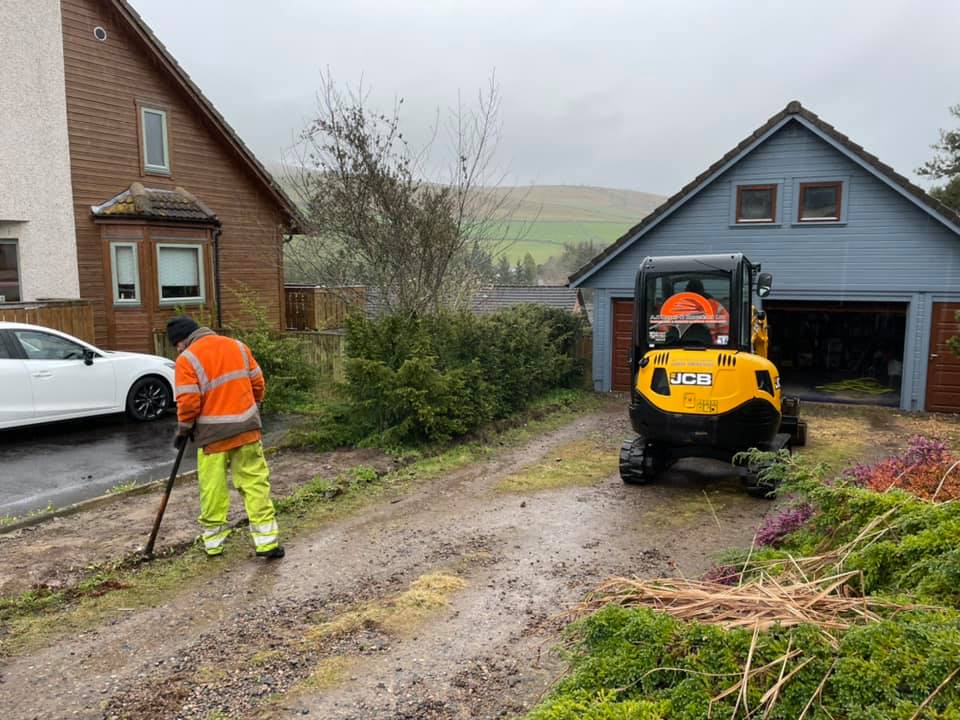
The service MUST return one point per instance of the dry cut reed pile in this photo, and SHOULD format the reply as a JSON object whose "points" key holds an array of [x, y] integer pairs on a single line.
{"points": [[812, 590]]}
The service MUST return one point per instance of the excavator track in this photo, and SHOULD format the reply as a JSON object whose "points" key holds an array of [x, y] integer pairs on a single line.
{"points": [[634, 466]]}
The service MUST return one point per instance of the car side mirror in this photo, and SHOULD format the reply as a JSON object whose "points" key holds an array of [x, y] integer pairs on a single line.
{"points": [[764, 283], [88, 356]]}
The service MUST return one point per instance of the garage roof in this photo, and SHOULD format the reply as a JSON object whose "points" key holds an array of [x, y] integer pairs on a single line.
{"points": [[794, 111]]}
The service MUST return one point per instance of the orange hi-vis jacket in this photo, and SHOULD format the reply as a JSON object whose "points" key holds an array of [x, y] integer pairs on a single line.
{"points": [[218, 386]]}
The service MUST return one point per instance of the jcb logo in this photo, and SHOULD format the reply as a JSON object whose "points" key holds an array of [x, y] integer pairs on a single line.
{"points": [[691, 379]]}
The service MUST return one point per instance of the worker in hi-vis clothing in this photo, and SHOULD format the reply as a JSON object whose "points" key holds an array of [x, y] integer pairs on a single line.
{"points": [[218, 388]]}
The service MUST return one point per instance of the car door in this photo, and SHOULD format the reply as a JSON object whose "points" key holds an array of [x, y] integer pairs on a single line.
{"points": [[63, 384], [16, 407]]}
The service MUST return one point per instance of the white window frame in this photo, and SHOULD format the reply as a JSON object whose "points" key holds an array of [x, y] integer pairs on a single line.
{"points": [[201, 277], [117, 300], [147, 167]]}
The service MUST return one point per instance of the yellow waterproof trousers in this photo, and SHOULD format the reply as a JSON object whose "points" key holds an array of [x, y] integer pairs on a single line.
{"points": [[251, 478]]}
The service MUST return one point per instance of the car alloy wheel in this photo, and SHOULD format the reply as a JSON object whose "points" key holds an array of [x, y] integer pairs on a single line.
{"points": [[150, 399]]}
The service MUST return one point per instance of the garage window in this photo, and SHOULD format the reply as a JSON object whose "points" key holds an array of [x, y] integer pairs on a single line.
{"points": [[126, 274], [756, 204], [9, 272], [820, 202], [180, 270]]}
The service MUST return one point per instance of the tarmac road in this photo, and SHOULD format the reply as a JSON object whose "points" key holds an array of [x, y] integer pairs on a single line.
{"points": [[63, 463]]}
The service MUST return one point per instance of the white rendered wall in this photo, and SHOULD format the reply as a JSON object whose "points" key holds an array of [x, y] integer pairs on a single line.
{"points": [[36, 196]]}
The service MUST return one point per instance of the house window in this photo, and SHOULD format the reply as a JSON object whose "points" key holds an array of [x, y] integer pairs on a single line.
{"points": [[9, 272], [126, 274], [820, 201], [757, 204], [180, 270], [156, 148]]}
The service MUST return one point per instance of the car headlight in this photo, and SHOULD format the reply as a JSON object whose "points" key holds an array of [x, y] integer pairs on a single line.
{"points": [[172, 366]]}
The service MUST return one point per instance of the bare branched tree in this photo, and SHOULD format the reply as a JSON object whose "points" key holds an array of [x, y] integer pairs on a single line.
{"points": [[374, 218]]}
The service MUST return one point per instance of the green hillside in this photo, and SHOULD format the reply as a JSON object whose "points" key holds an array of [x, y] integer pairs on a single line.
{"points": [[547, 216], [544, 217]]}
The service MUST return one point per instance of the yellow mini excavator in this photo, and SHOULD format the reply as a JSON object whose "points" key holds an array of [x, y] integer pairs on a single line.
{"points": [[702, 384]]}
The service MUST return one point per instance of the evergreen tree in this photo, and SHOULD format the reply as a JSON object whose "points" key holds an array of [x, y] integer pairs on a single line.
{"points": [[529, 269], [504, 272]]}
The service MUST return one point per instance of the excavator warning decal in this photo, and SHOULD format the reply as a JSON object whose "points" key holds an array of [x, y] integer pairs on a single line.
{"points": [[683, 312]]}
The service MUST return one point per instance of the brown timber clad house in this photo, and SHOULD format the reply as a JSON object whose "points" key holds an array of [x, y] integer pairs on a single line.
{"points": [[171, 208]]}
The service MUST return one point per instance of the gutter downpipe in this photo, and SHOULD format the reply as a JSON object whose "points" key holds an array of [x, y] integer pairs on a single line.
{"points": [[217, 232]]}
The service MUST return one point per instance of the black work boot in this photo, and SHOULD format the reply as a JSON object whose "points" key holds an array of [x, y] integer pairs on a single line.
{"points": [[275, 554]]}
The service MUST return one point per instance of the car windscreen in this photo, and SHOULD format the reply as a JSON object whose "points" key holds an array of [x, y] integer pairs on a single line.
{"points": [[688, 309]]}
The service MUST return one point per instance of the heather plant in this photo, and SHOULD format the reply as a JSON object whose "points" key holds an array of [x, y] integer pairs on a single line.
{"points": [[927, 469], [778, 525], [912, 547]]}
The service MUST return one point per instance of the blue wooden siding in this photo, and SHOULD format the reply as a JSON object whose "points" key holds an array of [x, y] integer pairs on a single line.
{"points": [[888, 248]]}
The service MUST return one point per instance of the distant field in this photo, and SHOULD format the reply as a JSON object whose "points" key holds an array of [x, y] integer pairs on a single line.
{"points": [[547, 216], [576, 203], [545, 238]]}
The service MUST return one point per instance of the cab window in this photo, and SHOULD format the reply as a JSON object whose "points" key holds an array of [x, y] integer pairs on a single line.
{"points": [[688, 309]]}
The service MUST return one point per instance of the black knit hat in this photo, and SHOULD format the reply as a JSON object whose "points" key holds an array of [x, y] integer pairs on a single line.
{"points": [[180, 328]]}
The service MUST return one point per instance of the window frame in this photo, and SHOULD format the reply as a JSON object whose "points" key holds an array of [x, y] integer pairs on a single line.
{"points": [[201, 278], [117, 300], [148, 168], [16, 250], [803, 186], [773, 188]]}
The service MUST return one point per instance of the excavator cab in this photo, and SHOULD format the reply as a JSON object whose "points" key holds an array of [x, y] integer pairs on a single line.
{"points": [[702, 384]]}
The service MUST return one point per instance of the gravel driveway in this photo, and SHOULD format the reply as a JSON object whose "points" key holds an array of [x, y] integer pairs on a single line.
{"points": [[319, 634]]}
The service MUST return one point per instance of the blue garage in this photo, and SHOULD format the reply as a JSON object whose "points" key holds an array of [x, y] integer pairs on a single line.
{"points": [[866, 265]]}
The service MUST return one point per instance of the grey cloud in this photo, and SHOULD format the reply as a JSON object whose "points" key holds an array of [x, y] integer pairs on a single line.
{"points": [[638, 95]]}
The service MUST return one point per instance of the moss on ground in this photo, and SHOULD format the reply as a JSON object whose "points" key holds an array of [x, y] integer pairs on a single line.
{"points": [[582, 462], [398, 615], [329, 672]]}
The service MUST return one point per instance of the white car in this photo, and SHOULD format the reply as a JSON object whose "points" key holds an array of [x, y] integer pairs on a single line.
{"points": [[47, 375]]}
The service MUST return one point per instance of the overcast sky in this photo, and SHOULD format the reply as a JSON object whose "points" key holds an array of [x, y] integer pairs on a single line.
{"points": [[636, 95]]}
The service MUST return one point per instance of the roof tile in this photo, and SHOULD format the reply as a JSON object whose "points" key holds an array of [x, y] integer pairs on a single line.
{"points": [[139, 202]]}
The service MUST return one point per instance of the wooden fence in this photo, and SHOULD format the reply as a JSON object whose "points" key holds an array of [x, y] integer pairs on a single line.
{"points": [[325, 349], [74, 317], [318, 308]]}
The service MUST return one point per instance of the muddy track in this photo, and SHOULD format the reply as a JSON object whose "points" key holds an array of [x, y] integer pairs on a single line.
{"points": [[246, 643]]}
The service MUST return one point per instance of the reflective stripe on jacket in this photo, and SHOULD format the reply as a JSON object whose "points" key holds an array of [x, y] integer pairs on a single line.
{"points": [[218, 386]]}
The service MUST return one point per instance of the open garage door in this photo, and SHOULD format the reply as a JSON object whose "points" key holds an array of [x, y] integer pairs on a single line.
{"points": [[839, 351]]}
